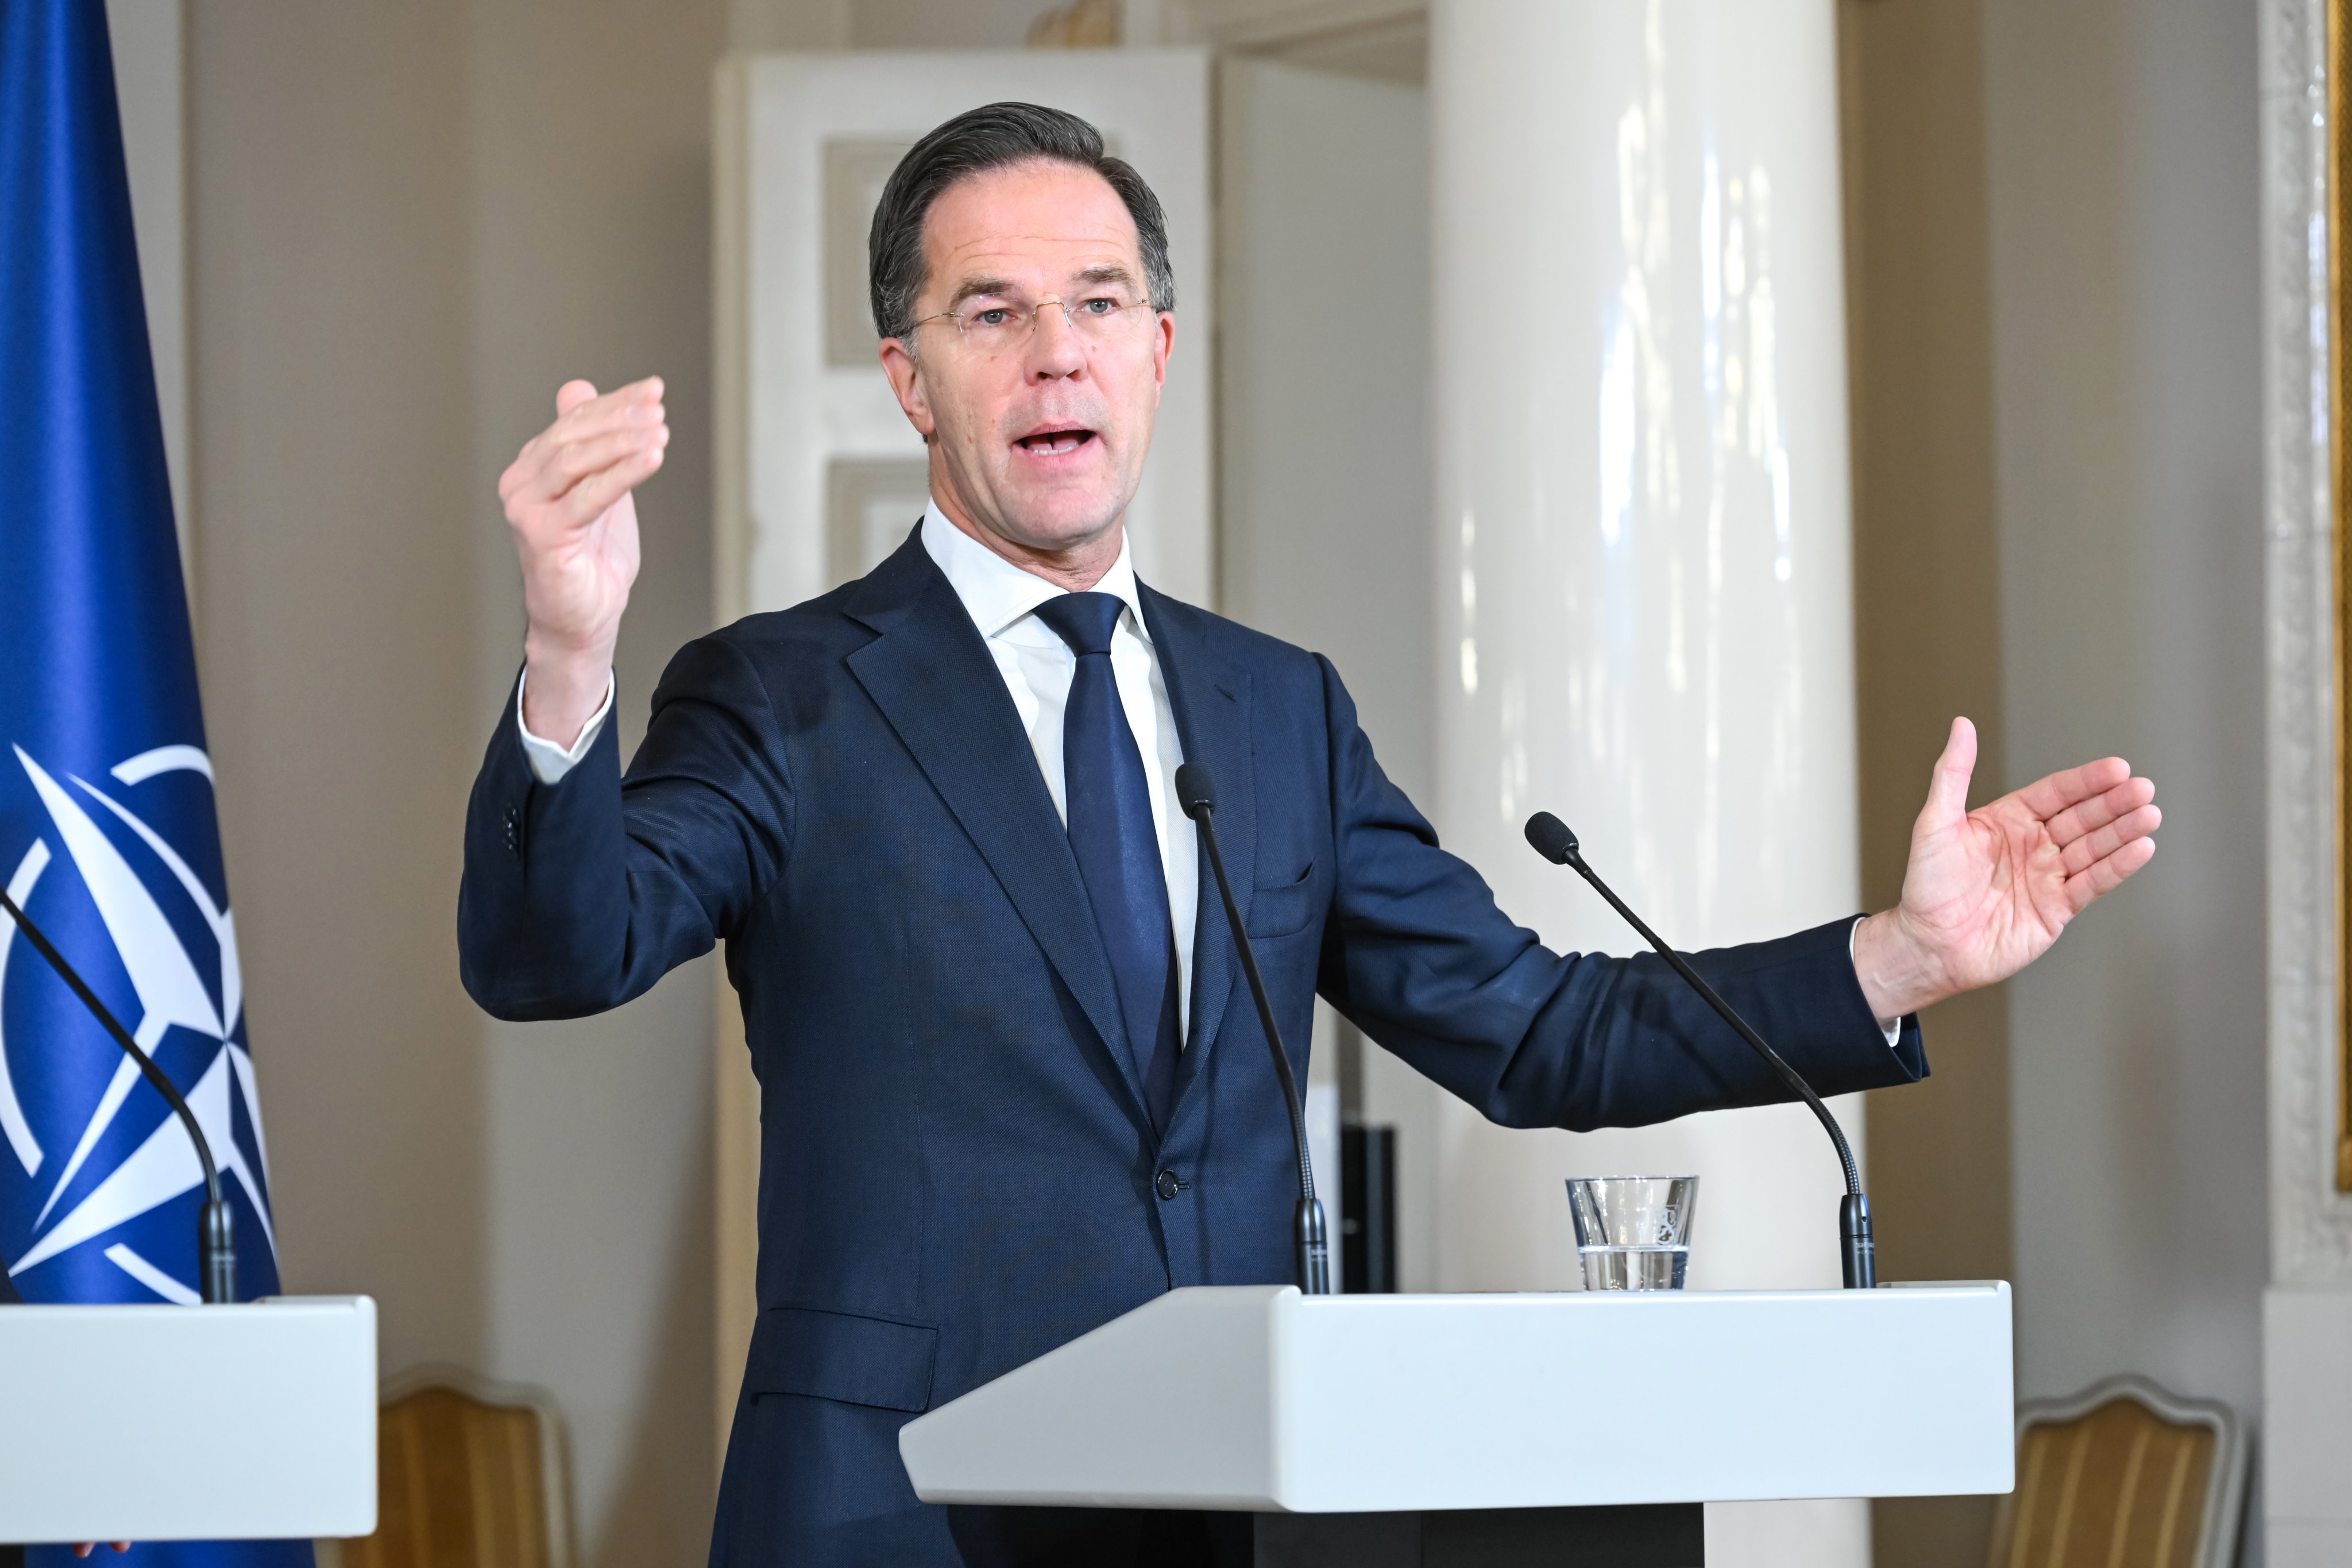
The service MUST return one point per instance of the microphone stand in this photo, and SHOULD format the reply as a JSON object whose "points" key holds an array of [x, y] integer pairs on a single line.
{"points": [[216, 1227], [1310, 1245], [1551, 839]]}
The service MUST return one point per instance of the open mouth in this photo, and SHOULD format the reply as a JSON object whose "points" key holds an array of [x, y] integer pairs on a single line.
{"points": [[1054, 443]]}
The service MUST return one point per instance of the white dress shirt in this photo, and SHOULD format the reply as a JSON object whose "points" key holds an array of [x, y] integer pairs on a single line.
{"points": [[1037, 667]]}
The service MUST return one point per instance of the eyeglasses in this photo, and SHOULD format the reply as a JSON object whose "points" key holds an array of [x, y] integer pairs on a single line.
{"points": [[1098, 318]]}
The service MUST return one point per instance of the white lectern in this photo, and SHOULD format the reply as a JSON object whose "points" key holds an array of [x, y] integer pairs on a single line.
{"points": [[1476, 1426], [188, 1423]]}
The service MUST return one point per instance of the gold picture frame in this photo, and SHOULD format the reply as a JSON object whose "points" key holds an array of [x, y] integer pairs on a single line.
{"points": [[2339, 458]]}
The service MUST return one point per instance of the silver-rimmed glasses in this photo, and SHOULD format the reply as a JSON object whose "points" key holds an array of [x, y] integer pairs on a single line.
{"points": [[993, 326]]}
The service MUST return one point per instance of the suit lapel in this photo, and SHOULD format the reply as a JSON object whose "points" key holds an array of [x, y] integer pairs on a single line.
{"points": [[1212, 703], [933, 677]]}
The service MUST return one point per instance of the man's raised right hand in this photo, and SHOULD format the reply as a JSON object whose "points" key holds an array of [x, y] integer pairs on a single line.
{"points": [[568, 499]]}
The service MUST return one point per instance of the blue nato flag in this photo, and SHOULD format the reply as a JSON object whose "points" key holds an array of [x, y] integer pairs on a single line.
{"points": [[108, 836]]}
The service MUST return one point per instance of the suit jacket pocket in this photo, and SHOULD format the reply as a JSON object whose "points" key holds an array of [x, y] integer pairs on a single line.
{"points": [[1284, 908], [846, 1356]]}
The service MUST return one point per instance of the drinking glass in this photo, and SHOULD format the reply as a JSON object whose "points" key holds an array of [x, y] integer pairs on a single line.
{"points": [[1632, 1233]]}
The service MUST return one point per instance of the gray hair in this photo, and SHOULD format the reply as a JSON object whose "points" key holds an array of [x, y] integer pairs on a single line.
{"points": [[973, 143]]}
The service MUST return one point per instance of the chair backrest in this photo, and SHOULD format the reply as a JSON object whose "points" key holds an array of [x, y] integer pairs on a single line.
{"points": [[471, 1474], [2123, 1475]]}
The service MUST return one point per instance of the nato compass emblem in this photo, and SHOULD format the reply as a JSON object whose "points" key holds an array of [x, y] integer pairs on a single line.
{"points": [[98, 1171]]}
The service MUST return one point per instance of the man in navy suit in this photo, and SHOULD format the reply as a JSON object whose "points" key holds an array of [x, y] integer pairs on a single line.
{"points": [[1011, 1086]]}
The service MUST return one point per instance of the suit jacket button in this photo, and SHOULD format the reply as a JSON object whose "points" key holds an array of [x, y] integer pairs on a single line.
{"points": [[1168, 1184]]}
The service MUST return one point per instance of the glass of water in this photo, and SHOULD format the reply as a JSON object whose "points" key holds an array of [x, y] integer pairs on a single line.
{"points": [[1632, 1233]]}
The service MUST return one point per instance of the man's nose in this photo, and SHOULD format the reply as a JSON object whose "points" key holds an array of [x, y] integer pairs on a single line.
{"points": [[1055, 351]]}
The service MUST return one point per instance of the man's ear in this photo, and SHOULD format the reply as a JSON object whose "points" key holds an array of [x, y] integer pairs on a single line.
{"points": [[906, 385], [1163, 343]]}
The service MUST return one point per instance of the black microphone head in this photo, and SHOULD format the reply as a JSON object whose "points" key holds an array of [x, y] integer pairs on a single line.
{"points": [[1196, 792], [1551, 837]]}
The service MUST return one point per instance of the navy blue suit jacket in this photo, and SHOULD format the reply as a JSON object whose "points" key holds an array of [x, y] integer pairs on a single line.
{"points": [[957, 1171]]}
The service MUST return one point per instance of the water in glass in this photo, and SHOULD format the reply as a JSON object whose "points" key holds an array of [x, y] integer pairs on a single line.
{"points": [[1633, 1267]]}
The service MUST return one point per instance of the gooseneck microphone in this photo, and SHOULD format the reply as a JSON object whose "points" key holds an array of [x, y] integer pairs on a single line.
{"points": [[1310, 1247], [1552, 840], [215, 1227]]}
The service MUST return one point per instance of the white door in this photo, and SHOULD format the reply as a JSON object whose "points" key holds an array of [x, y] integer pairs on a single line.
{"points": [[1323, 473]]}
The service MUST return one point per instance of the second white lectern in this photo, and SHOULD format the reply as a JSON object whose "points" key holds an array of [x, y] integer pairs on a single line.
{"points": [[155, 1422], [1433, 1411]]}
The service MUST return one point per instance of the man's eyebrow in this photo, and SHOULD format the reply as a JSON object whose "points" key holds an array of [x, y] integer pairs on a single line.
{"points": [[972, 288]]}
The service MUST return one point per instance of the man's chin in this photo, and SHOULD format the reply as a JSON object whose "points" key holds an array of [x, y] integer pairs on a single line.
{"points": [[1062, 523]]}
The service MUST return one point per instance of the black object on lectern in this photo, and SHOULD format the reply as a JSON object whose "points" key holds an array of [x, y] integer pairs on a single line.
{"points": [[1367, 1256]]}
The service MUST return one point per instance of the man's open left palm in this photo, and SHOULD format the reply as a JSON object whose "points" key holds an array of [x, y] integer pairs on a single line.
{"points": [[1987, 891]]}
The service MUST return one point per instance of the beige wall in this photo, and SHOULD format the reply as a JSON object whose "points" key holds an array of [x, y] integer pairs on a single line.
{"points": [[408, 224], [2057, 515], [943, 23], [2126, 351], [1928, 623], [149, 90], [334, 463]]}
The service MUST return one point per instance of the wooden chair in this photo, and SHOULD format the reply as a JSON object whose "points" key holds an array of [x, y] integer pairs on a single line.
{"points": [[471, 1474], [2123, 1475]]}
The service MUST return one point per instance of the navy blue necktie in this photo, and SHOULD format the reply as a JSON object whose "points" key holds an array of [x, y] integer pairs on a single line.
{"points": [[1108, 804]]}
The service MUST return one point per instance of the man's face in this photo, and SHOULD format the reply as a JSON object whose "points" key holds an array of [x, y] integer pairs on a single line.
{"points": [[1040, 439]]}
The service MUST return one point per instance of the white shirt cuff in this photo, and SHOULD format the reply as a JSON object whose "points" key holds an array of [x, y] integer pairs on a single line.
{"points": [[1894, 1030], [549, 761]]}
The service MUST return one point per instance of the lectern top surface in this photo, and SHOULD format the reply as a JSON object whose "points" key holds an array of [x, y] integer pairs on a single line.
{"points": [[1258, 1397]]}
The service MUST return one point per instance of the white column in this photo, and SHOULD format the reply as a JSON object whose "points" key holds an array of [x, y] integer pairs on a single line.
{"points": [[1646, 621]]}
